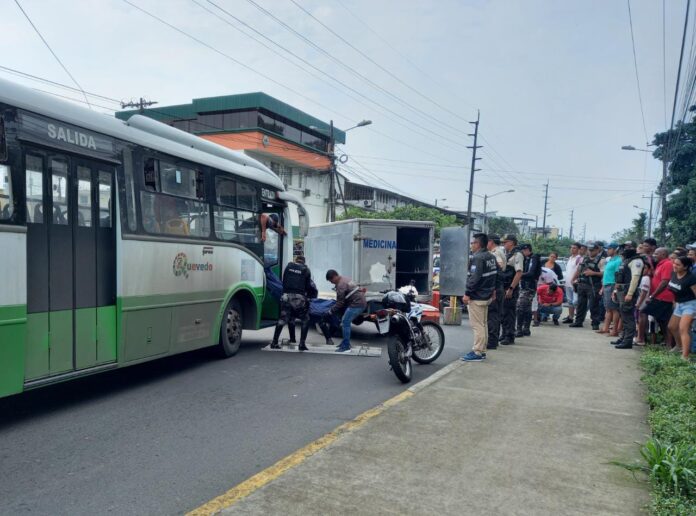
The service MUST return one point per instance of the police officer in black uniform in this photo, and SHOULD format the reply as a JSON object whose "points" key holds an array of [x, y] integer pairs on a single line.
{"points": [[528, 286], [298, 287], [589, 282], [627, 279], [512, 274], [495, 309]]}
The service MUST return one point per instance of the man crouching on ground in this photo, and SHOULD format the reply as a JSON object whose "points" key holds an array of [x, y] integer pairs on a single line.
{"points": [[350, 299], [480, 289]]}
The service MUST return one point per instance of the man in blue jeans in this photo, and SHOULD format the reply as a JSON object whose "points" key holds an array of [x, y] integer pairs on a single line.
{"points": [[550, 302], [350, 299]]}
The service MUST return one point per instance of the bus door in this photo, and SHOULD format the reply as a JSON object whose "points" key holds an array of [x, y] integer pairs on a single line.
{"points": [[273, 260], [71, 287]]}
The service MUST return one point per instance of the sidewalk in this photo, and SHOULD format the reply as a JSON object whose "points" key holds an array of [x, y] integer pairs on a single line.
{"points": [[528, 431]]}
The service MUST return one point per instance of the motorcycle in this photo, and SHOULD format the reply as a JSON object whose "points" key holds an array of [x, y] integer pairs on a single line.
{"points": [[399, 317]]}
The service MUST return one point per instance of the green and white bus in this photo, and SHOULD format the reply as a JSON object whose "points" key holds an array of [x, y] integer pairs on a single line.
{"points": [[123, 242]]}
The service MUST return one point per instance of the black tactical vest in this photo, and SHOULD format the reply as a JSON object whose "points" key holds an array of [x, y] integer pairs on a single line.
{"points": [[592, 264], [623, 273], [509, 271], [295, 279]]}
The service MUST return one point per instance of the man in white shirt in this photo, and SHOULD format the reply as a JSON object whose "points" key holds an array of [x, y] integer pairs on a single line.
{"points": [[573, 263]]}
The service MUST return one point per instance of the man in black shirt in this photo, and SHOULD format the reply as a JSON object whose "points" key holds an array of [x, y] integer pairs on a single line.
{"points": [[294, 303], [589, 281], [480, 288], [528, 285]]}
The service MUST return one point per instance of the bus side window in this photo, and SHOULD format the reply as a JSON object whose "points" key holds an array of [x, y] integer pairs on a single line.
{"points": [[151, 174], [34, 189], [6, 204]]}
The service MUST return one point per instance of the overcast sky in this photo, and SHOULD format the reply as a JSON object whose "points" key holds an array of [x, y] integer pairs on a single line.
{"points": [[554, 80]]}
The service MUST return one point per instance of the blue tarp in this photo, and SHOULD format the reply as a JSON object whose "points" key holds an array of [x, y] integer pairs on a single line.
{"points": [[317, 307], [273, 284]]}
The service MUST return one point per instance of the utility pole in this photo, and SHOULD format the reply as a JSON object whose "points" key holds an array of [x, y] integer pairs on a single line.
{"points": [[663, 200], [485, 213], [546, 204], [471, 180], [650, 215], [570, 234], [332, 175], [584, 231], [141, 104]]}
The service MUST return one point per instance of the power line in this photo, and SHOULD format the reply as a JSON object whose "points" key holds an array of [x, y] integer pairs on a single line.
{"points": [[373, 104], [664, 62], [385, 70], [51, 51], [353, 71], [25, 75], [635, 64]]}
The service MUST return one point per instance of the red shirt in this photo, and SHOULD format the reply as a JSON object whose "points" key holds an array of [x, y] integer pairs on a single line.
{"points": [[663, 271], [549, 298]]}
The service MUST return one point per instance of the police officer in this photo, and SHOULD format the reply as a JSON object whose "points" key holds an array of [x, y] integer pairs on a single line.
{"points": [[528, 285], [495, 309], [625, 290], [294, 303], [588, 278], [514, 263]]}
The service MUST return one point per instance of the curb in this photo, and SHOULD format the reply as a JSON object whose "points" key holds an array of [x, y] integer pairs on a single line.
{"points": [[260, 479]]}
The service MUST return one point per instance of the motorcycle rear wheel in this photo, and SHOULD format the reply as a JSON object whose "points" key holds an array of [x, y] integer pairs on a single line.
{"points": [[399, 361], [436, 337]]}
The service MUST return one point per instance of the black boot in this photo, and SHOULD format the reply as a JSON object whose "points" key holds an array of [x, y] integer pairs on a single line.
{"points": [[302, 346], [519, 333], [276, 335], [627, 345]]}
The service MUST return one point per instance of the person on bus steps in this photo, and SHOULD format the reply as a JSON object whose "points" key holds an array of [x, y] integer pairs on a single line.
{"points": [[298, 287], [588, 278], [625, 289], [270, 221]]}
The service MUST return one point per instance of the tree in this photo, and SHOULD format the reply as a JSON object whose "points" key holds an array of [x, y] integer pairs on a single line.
{"points": [[440, 219], [678, 146], [544, 246], [501, 225], [635, 233]]}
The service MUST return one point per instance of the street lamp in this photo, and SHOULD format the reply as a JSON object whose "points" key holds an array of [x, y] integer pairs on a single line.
{"points": [[536, 222], [332, 171], [631, 147], [662, 189], [485, 198]]}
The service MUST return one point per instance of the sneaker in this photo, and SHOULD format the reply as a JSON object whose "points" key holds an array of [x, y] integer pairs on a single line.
{"points": [[555, 322], [567, 320], [472, 357], [275, 345], [343, 349]]}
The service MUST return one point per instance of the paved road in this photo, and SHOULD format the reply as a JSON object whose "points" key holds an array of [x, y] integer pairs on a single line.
{"points": [[164, 437]]}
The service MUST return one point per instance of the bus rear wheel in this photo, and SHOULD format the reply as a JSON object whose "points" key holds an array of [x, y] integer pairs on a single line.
{"points": [[231, 329]]}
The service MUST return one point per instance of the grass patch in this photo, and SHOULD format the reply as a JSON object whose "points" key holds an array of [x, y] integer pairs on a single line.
{"points": [[669, 456]]}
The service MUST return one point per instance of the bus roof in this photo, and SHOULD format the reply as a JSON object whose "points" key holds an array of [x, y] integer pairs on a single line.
{"points": [[154, 135]]}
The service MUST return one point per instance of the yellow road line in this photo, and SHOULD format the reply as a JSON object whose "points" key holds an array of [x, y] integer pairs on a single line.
{"points": [[294, 459]]}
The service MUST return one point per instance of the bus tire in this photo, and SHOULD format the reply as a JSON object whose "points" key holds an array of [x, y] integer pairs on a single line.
{"points": [[231, 329]]}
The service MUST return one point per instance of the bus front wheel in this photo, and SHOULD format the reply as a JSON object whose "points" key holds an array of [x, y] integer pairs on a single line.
{"points": [[231, 329]]}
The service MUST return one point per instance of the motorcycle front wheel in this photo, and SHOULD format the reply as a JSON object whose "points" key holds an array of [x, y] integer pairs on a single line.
{"points": [[398, 359], [432, 343]]}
